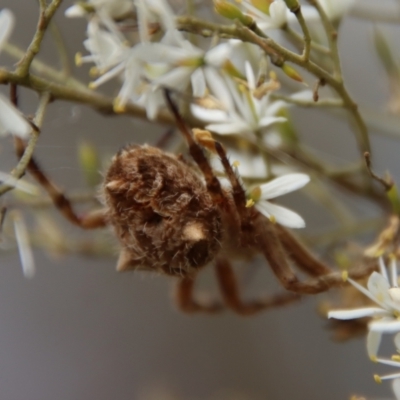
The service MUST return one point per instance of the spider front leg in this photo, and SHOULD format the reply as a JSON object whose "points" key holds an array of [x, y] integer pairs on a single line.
{"points": [[93, 220], [212, 182], [231, 294], [300, 255], [186, 302]]}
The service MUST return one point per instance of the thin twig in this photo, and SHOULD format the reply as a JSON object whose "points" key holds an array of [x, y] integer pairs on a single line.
{"points": [[299, 39], [79, 95], [322, 103], [46, 14], [306, 33], [331, 35], [62, 49], [387, 183]]}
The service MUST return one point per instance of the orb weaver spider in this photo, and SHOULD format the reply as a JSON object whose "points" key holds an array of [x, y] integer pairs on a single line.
{"points": [[171, 220]]}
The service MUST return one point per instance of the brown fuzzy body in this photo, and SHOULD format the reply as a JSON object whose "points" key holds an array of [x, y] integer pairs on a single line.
{"points": [[161, 212]]}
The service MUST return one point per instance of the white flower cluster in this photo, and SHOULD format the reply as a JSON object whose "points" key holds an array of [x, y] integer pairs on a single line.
{"points": [[223, 80], [277, 15], [382, 288]]}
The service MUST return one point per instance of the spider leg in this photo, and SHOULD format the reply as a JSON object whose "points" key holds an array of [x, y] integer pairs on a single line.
{"points": [[185, 300], [213, 184], [196, 151], [229, 287], [268, 243], [92, 220], [300, 255]]}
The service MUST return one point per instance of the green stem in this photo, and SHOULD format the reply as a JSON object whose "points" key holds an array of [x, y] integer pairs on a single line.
{"points": [[46, 14], [80, 95]]}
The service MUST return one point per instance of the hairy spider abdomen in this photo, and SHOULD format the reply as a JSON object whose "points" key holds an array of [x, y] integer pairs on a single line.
{"points": [[161, 212]]}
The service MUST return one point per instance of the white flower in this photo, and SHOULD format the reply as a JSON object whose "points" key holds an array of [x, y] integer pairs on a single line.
{"points": [[114, 9], [114, 59], [107, 11], [334, 9], [386, 294], [11, 120], [106, 49], [275, 18], [6, 25], [394, 362], [277, 15], [186, 63], [153, 11], [240, 112], [284, 184]]}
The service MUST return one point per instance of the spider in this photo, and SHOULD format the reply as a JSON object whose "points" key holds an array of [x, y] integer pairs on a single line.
{"points": [[170, 220]]}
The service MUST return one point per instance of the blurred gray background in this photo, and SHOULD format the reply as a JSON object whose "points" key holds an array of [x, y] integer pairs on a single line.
{"points": [[79, 330]]}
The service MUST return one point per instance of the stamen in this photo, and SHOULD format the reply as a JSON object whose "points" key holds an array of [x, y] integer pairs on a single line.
{"points": [[250, 203], [118, 106], [78, 59]]}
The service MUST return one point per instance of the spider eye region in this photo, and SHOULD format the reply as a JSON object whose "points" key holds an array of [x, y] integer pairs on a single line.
{"points": [[161, 212]]}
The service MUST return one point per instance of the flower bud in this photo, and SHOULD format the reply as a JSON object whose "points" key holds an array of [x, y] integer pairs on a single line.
{"points": [[291, 73], [230, 11], [393, 195], [89, 162], [262, 5], [292, 5]]}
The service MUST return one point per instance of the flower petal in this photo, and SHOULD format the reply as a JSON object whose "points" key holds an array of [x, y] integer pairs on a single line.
{"points": [[282, 185], [24, 247], [396, 388], [251, 79], [357, 313], [379, 287], [198, 83], [387, 326], [218, 54], [230, 128], [12, 121], [282, 215], [397, 341], [373, 342], [363, 290], [206, 114], [382, 268], [6, 25], [267, 121]]}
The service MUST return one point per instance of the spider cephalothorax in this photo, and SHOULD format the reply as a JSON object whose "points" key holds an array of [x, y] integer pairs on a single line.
{"points": [[161, 212]]}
